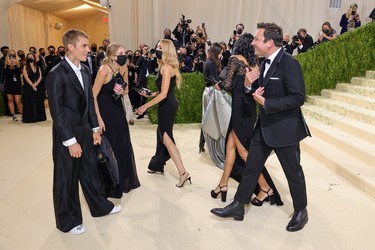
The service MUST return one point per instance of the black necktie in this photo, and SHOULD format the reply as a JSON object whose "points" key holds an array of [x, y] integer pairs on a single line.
{"points": [[267, 61]]}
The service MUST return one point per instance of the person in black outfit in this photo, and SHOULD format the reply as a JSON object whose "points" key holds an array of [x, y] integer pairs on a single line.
{"points": [[186, 63], [33, 92], [49, 59], [286, 46], [146, 65], [168, 77], [182, 33], [131, 77], [304, 42], [226, 54], [101, 55], [236, 35], [75, 131], [280, 92], [59, 57]]}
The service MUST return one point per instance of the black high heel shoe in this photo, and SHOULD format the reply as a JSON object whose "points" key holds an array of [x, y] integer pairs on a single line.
{"points": [[188, 178], [269, 197], [222, 192]]}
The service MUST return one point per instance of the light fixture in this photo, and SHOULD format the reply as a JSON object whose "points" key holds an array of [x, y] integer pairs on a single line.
{"points": [[57, 26], [105, 3]]}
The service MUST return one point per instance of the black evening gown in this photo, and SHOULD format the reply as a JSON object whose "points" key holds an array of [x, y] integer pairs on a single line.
{"points": [[117, 133], [33, 101], [167, 110], [243, 119]]}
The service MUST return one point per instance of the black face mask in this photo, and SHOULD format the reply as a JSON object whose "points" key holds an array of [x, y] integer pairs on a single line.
{"points": [[93, 49], [130, 57], [22, 56], [51, 52], [136, 58], [167, 37], [43, 53], [62, 53], [33, 51], [353, 13], [200, 35], [193, 40], [239, 31], [121, 60], [158, 54], [285, 43], [30, 60]]}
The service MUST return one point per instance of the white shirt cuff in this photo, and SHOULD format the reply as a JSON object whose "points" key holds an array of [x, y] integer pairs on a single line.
{"points": [[69, 142]]}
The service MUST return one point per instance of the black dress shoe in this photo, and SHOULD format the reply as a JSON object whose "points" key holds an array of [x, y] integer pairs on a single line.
{"points": [[235, 210], [140, 116], [298, 220]]}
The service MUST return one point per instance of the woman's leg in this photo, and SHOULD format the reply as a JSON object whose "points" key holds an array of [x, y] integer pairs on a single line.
{"points": [[18, 103], [261, 181], [176, 157], [10, 99], [230, 157]]}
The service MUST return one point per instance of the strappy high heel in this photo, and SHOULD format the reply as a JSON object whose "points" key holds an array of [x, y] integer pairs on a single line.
{"points": [[269, 197], [221, 191], [188, 178]]}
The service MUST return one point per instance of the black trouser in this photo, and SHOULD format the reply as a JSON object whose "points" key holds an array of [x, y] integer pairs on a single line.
{"points": [[289, 158]]}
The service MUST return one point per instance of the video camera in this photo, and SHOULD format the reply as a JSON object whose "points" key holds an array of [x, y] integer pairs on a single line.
{"points": [[184, 22]]}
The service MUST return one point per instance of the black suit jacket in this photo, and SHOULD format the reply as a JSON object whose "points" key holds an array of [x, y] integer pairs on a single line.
{"points": [[281, 119], [308, 42], [70, 105]]}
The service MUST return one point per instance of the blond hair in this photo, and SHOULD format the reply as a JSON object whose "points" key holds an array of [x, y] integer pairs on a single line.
{"points": [[169, 57], [111, 51], [72, 37]]}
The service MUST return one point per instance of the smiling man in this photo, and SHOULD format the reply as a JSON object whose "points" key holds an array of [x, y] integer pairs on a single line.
{"points": [[279, 89]]}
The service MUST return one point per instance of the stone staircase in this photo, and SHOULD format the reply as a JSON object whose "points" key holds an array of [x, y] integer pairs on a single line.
{"points": [[342, 123]]}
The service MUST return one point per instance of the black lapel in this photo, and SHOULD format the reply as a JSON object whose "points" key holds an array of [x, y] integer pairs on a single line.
{"points": [[273, 67], [73, 78]]}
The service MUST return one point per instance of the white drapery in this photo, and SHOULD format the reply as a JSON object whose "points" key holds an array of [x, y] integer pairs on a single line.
{"points": [[135, 21]]}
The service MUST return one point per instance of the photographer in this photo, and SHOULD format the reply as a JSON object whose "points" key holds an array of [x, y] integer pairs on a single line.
{"points": [[327, 33], [182, 32], [302, 41], [350, 20], [199, 60], [236, 35], [184, 60], [146, 65], [168, 35]]}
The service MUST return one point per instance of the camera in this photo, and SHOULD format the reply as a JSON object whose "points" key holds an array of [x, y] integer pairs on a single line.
{"points": [[234, 32], [184, 22], [152, 51], [297, 37], [209, 42], [119, 81]]}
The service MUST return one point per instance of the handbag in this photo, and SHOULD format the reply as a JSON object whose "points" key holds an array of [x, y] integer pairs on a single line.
{"points": [[210, 123], [223, 110], [107, 164]]}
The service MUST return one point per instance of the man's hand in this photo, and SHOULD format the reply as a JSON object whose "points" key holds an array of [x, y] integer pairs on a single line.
{"points": [[97, 139], [75, 150]]}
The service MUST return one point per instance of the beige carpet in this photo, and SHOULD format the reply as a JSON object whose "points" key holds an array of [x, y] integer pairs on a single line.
{"points": [[160, 216]]}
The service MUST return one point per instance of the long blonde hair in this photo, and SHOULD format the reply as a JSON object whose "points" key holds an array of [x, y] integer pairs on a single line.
{"points": [[349, 12], [169, 57]]}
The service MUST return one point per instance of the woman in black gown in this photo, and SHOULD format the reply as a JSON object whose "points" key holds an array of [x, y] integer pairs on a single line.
{"points": [[168, 77], [33, 93], [111, 116], [241, 124]]}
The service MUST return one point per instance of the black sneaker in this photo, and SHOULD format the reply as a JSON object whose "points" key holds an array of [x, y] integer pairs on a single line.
{"points": [[15, 118]]}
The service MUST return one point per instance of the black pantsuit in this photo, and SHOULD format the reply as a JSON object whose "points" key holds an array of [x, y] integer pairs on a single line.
{"points": [[73, 115]]}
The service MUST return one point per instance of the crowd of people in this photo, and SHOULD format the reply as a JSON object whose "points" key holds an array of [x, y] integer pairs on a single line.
{"points": [[92, 92]]}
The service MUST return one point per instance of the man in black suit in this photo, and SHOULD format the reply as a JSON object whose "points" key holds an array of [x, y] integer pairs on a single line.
{"points": [[280, 125], [49, 58], [59, 57], [75, 131]]}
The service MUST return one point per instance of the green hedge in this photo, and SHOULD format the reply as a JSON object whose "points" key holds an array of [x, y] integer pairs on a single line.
{"points": [[189, 98], [350, 54]]}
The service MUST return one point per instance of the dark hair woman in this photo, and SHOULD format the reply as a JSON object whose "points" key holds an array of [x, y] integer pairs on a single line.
{"points": [[241, 123]]}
